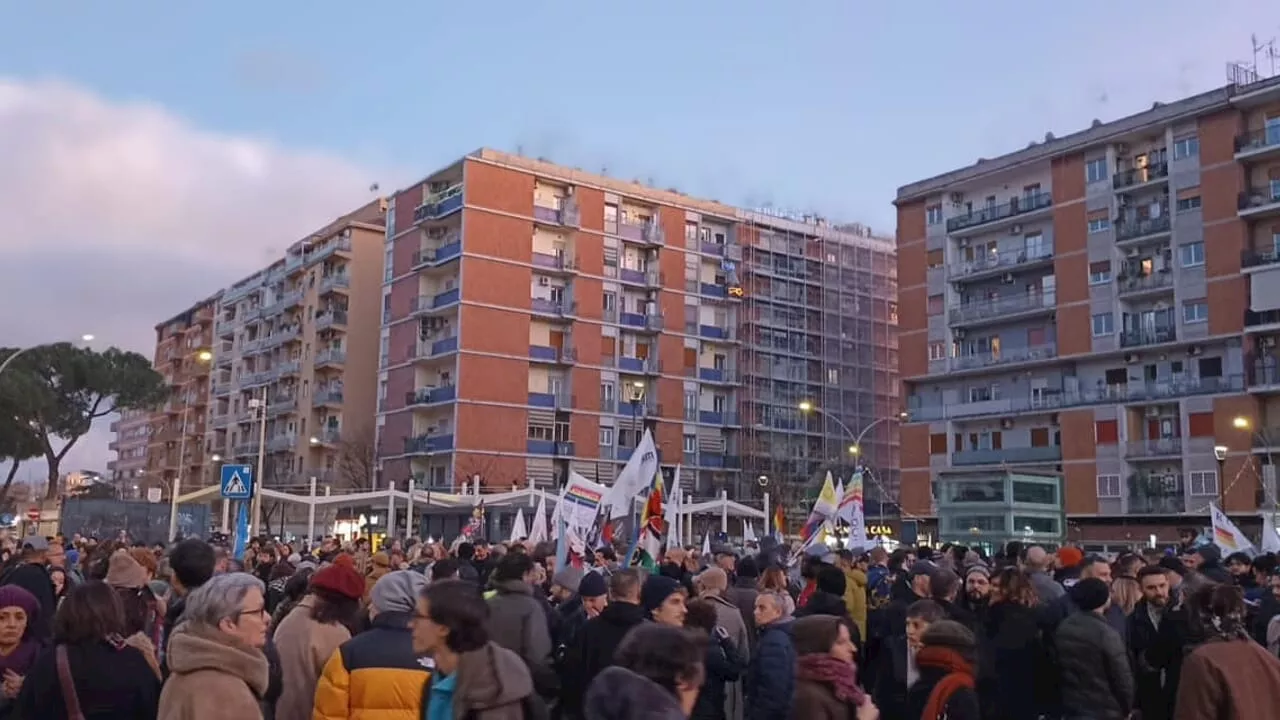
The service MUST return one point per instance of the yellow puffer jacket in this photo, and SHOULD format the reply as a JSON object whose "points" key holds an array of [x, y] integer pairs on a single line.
{"points": [[855, 598], [374, 675]]}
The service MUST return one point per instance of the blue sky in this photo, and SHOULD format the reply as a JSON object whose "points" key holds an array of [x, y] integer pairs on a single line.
{"points": [[806, 104], [201, 139]]}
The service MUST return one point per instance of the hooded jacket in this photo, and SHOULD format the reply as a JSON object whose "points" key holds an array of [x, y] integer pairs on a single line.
{"points": [[492, 683], [209, 664], [620, 694], [374, 675], [518, 622]]}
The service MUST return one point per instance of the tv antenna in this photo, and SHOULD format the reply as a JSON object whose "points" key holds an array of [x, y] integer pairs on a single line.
{"points": [[1266, 58]]}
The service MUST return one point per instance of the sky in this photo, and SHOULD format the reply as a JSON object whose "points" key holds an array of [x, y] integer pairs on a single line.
{"points": [[152, 152]]}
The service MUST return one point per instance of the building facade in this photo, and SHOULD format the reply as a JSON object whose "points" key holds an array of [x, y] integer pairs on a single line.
{"points": [[1098, 306], [539, 319], [295, 359], [131, 435]]}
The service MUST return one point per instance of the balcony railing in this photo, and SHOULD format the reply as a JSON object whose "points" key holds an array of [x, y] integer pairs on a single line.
{"points": [[327, 396], [1140, 175], [1046, 454], [331, 357], [431, 395], [546, 353], [555, 262], [1005, 356], [561, 400], [1253, 258], [1128, 285], [1262, 198], [1007, 305], [1150, 494], [430, 347], [439, 205], [562, 308], [718, 375], [1264, 139], [332, 282], [282, 442], [1142, 338], [437, 255], [427, 444], [1160, 447], [1013, 208], [331, 318], [1004, 260], [1134, 229], [424, 303]]}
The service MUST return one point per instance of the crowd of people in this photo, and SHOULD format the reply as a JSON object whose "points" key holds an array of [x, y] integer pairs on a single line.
{"points": [[106, 630]]}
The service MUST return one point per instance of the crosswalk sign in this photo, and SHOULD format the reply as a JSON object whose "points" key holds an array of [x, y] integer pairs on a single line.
{"points": [[237, 482]]}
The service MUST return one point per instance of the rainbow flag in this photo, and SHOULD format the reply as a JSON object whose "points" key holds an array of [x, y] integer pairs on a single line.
{"points": [[779, 522], [824, 509]]}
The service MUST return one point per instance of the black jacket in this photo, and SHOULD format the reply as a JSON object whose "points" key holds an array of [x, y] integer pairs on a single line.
{"points": [[1156, 656], [770, 684], [35, 579], [110, 684], [1093, 668], [724, 663], [1016, 675], [593, 651], [388, 643], [963, 704], [890, 688]]}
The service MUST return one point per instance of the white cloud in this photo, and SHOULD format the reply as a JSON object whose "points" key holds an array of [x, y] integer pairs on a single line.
{"points": [[115, 216]]}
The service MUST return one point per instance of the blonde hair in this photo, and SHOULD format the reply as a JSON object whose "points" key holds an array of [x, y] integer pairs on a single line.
{"points": [[1125, 593]]}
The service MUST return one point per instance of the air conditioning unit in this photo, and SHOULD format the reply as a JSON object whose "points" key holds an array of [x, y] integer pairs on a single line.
{"points": [[1268, 342], [544, 281], [1015, 230], [957, 198], [1132, 358]]}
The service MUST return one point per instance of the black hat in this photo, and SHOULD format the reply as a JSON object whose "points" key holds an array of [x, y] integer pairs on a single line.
{"points": [[592, 585], [656, 590], [1090, 594]]}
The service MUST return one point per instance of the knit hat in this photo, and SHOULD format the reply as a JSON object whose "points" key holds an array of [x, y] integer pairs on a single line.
{"points": [[747, 568], [1210, 553], [656, 590], [978, 569], [922, 567], [815, 634], [949, 634], [381, 559], [398, 591], [1090, 594], [568, 578], [294, 559], [592, 585], [831, 580], [1070, 556], [14, 596], [339, 578], [125, 572]]}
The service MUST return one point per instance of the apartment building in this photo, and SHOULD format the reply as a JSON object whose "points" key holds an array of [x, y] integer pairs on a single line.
{"points": [[131, 434], [175, 442], [819, 357], [1103, 307], [295, 358], [539, 319]]}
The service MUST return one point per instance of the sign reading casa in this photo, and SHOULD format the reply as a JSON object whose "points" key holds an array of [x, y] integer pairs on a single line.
{"points": [[880, 530]]}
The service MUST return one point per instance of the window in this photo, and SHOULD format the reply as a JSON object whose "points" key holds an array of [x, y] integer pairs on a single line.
{"points": [[938, 444], [833, 376], [1195, 311], [1097, 225], [935, 304], [937, 351], [1192, 254], [1095, 170], [933, 214], [935, 259], [1106, 432], [1204, 483], [1104, 324], [1108, 486], [1100, 272], [1200, 424], [983, 393], [1189, 203], [1186, 147]]}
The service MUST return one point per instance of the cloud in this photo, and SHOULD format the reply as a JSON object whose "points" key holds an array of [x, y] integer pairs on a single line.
{"points": [[116, 216]]}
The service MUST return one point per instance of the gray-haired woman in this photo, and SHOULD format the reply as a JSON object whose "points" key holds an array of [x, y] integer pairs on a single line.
{"points": [[217, 667]]}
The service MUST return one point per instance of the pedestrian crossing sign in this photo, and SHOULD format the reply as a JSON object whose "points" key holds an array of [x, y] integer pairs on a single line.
{"points": [[237, 482]]}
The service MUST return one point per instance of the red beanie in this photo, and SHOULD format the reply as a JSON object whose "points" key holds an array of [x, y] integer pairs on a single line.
{"points": [[340, 579], [1070, 556], [345, 560]]}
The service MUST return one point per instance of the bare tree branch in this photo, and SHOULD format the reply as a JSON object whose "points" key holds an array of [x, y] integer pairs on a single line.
{"points": [[357, 462]]}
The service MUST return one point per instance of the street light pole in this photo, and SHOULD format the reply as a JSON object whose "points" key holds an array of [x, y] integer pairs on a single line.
{"points": [[255, 515], [856, 448], [177, 480]]}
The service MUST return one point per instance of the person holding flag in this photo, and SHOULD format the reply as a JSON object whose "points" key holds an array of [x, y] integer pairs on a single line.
{"points": [[653, 529]]}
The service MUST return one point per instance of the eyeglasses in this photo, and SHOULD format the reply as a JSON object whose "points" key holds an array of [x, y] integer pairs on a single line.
{"points": [[259, 611]]}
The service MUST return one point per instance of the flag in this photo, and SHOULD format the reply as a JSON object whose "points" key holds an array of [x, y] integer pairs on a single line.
{"points": [[748, 533], [779, 522], [636, 475], [538, 530], [672, 516], [652, 527], [839, 496], [706, 546], [853, 515], [1226, 535], [824, 508], [851, 495], [1270, 537], [519, 530]]}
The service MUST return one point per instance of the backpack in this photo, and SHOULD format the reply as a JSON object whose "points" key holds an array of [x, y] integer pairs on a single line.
{"points": [[880, 588]]}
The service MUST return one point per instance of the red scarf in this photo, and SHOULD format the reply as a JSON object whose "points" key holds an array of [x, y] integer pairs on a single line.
{"points": [[806, 593], [959, 675], [840, 676]]}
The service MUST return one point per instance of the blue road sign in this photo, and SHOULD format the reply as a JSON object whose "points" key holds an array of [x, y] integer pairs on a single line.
{"points": [[237, 482]]}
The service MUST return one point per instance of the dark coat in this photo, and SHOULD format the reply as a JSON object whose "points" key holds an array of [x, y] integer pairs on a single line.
{"points": [[743, 594], [770, 684], [890, 689], [593, 651], [725, 663], [623, 695], [1015, 671], [1156, 656], [818, 701], [963, 704], [1093, 668], [109, 683], [35, 579]]}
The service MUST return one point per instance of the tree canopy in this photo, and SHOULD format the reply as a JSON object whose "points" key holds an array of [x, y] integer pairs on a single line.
{"points": [[57, 392]]}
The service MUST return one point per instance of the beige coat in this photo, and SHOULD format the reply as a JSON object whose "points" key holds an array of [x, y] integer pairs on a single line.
{"points": [[212, 676], [304, 646], [729, 617]]}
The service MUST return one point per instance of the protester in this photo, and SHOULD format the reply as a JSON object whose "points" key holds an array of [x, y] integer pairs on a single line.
{"points": [[657, 676], [1094, 669], [946, 687], [18, 645], [312, 631], [518, 622], [724, 663], [770, 683], [827, 678], [598, 641], [1229, 676], [31, 574]]}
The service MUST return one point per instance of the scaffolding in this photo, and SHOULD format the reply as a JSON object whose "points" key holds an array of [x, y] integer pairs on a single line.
{"points": [[819, 317]]}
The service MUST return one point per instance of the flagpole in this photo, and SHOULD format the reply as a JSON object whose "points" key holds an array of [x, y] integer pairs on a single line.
{"points": [[636, 529]]}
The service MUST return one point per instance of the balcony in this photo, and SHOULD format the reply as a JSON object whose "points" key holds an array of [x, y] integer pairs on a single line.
{"points": [[430, 348], [1259, 203], [1253, 318], [1152, 336], [1156, 494], [439, 205], [635, 365], [560, 309], [430, 303], [1154, 449], [248, 447], [713, 248], [222, 388], [718, 417], [1001, 309], [281, 443], [282, 336], [554, 401], [282, 404], [332, 356], [331, 319], [718, 375], [543, 353], [549, 447], [558, 262], [224, 328], [1144, 229], [317, 254], [431, 395], [287, 368], [715, 332], [220, 421], [1016, 207], [992, 264], [1138, 285], [1005, 356], [327, 397], [564, 212], [1135, 177], [1253, 259], [717, 460], [328, 437], [1258, 143], [1010, 456], [713, 290], [648, 233], [647, 278], [292, 298], [1264, 373], [436, 256], [428, 444], [329, 283]]}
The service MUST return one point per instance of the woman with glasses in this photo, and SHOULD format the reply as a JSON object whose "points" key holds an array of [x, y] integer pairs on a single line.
{"points": [[217, 669]]}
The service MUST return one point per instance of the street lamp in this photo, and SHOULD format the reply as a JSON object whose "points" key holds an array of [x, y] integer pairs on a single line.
{"points": [[636, 395], [807, 406], [1220, 454], [14, 355], [203, 356]]}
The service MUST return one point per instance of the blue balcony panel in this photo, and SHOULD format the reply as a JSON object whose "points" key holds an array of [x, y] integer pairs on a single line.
{"points": [[711, 374], [542, 352], [449, 297], [710, 417], [714, 290], [447, 345], [430, 396], [540, 447], [711, 331], [632, 319], [544, 400], [631, 364], [424, 444]]}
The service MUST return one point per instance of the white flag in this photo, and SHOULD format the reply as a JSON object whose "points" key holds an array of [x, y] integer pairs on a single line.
{"points": [[519, 530], [538, 531], [1226, 535], [748, 533], [706, 547], [672, 513], [1270, 536], [634, 479]]}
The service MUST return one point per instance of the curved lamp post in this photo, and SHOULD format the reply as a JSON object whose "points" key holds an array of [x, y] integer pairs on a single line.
{"points": [[855, 449], [21, 351]]}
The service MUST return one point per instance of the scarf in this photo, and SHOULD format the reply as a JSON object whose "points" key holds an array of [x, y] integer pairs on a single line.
{"points": [[959, 675], [21, 658], [840, 676]]}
